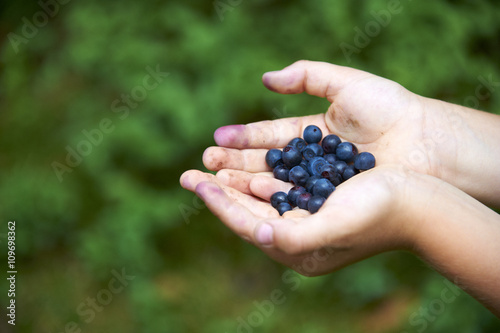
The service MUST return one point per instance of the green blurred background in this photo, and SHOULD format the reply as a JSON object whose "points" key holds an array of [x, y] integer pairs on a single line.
{"points": [[120, 207]]}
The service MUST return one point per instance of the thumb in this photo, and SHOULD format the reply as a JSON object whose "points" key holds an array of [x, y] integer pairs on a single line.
{"points": [[316, 78]]}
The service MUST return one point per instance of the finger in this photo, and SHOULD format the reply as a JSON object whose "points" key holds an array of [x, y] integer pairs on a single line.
{"points": [[260, 185], [232, 212], [267, 134], [315, 78], [240, 180], [251, 160], [296, 214], [191, 179], [264, 187]]}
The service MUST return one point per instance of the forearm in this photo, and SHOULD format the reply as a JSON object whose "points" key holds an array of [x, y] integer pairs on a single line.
{"points": [[467, 144], [459, 237]]}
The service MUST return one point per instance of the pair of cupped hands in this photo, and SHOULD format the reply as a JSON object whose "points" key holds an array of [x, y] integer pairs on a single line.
{"points": [[427, 162]]}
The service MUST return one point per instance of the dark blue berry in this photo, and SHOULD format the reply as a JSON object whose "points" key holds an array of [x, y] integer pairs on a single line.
{"points": [[304, 165], [312, 134], [330, 158], [364, 161], [346, 151], [291, 156], [340, 166], [337, 180], [315, 164], [298, 175], [312, 150], [281, 172], [330, 143], [349, 172], [329, 172], [298, 143], [323, 187], [283, 207], [278, 198], [315, 203], [310, 182], [303, 200], [273, 157], [294, 193]]}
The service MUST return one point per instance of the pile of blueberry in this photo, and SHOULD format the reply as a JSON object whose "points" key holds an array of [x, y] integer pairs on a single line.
{"points": [[315, 167]]}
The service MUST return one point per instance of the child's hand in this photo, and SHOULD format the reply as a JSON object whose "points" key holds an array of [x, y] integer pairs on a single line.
{"points": [[428, 136]]}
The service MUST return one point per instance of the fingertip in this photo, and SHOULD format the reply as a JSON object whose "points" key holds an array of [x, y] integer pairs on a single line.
{"points": [[266, 80], [223, 176], [184, 179], [210, 160], [264, 186], [207, 189], [188, 179], [228, 136], [264, 234]]}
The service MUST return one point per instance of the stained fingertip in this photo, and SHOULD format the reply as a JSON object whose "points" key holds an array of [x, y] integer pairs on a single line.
{"points": [[208, 190], [228, 136]]}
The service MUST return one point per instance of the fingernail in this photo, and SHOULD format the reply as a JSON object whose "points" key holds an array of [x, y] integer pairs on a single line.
{"points": [[264, 234]]}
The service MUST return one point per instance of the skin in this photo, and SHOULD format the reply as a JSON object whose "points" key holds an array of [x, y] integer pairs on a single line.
{"points": [[418, 198]]}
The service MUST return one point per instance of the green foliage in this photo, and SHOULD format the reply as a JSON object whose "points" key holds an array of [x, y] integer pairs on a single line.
{"points": [[120, 206]]}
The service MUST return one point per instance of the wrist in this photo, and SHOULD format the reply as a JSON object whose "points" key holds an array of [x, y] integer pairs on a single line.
{"points": [[458, 236], [461, 144]]}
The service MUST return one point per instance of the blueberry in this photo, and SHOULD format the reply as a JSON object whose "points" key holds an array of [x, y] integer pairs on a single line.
{"points": [[349, 172], [278, 198], [303, 200], [330, 158], [330, 143], [298, 175], [304, 165], [312, 150], [298, 143], [315, 203], [294, 193], [315, 164], [291, 156], [273, 157], [283, 207], [330, 172], [340, 166], [310, 182], [281, 172], [364, 161], [337, 180], [323, 187], [346, 151], [312, 134]]}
